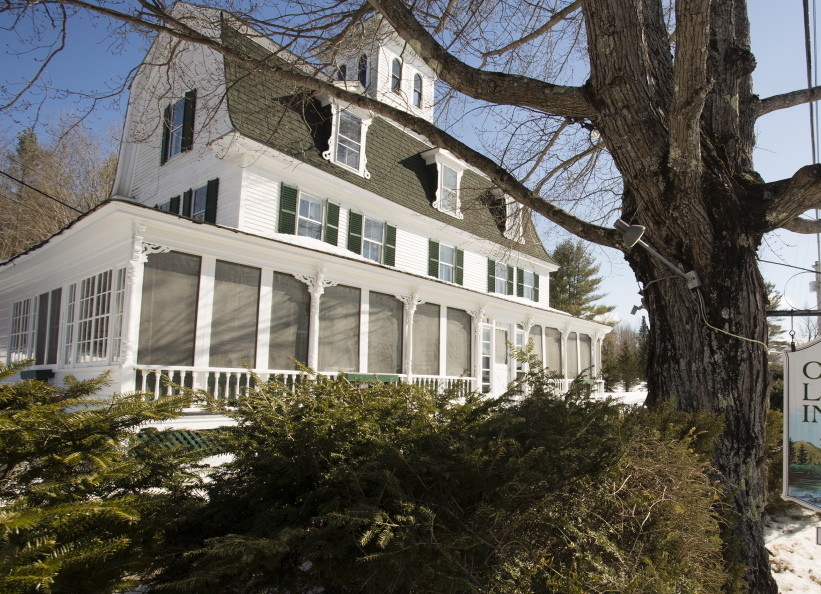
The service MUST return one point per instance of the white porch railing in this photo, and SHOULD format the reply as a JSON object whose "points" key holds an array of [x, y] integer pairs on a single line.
{"points": [[460, 385]]}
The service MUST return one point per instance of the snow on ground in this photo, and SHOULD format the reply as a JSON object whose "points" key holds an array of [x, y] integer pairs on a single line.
{"points": [[791, 539]]}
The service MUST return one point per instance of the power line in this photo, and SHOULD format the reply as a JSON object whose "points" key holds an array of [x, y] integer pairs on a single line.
{"points": [[787, 265], [50, 197]]}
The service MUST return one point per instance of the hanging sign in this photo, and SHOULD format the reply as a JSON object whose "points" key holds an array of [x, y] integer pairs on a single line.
{"points": [[802, 426]]}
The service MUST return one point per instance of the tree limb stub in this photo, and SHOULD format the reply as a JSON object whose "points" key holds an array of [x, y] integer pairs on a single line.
{"points": [[786, 200], [496, 87], [785, 100], [803, 226]]}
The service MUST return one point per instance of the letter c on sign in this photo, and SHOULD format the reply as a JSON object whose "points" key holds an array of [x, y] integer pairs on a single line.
{"points": [[807, 375]]}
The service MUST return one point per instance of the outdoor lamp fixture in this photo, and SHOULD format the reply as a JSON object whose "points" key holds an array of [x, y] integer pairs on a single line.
{"points": [[632, 236]]}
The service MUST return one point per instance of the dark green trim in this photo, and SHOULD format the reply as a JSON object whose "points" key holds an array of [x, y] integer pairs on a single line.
{"points": [[188, 121], [460, 267], [332, 223], [174, 205], [491, 276], [535, 287], [510, 280], [433, 258], [166, 134], [355, 232], [186, 203], [211, 194], [520, 282], [390, 245], [288, 198]]}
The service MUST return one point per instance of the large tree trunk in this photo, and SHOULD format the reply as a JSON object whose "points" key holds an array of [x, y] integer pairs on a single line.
{"points": [[677, 131]]}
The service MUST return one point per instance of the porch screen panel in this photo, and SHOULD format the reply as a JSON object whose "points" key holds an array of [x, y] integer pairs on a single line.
{"points": [[458, 343], [572, 356], [536, 339], [339, 329], [234, 321], [584, 355], [426, 339], [168, 318], [384, 333], [553, 346], [290, 318], [501, 346]]}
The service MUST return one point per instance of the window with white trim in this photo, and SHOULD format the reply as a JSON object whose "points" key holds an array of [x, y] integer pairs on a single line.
{"points": [[348, 140], [362, 71], [178, 126], [396, 76], [514, 220], [500, 278], [373, 239], [198, 203], [346, 146], [486, 357], [448, 179], [447, 263], [23, 329], [309, 216], [93, 317], [417, 90], [527, 284]]}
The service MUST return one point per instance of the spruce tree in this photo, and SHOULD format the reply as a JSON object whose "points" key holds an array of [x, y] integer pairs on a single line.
{"points": [[573, 286]]}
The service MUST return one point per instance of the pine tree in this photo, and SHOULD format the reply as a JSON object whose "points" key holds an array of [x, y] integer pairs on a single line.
{"points": [[573, 286], [643, 348], [84, 501], [628, 365]]}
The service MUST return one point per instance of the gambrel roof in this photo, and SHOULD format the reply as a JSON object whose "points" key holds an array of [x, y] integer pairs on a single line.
{"points": [[293, 121]]}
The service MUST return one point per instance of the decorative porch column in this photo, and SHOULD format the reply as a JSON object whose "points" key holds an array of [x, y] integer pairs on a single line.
{"points": [[410, 302], [478, 315], [565, 333], [132, 306], [316, 287]]}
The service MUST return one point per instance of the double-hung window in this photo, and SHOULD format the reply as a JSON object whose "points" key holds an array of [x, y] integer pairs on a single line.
{"points": [[23, 327], [94, 314], [348, 140], [396, 76], [445, 262], [373, 239], [527, 284], [307, 215], [499, 278], [199, 204], [178, 126], [448, 179], [417, 90], [448, 191]]}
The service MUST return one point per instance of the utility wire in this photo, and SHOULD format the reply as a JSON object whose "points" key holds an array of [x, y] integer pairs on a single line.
{"points": [[787, 265], [50, 197]]}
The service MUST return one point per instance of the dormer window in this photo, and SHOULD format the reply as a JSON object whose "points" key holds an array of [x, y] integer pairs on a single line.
{"points": [[362, 71], [342, 72], [448, 178], [347, 143], [417, 90], [396, 76], [178, 126]]}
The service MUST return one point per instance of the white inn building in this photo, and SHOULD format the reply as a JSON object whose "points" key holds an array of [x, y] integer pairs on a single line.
{"points": [[255, 224]]}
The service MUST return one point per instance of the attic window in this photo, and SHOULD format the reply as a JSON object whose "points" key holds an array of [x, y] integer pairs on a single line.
{"points": [[178, 126], [362, 72], [417, 90], [396, 76], [448, 181], [514, 220], [346, 147]]}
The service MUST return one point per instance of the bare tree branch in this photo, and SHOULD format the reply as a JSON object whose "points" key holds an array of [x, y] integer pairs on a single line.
{"points": [[689, 90], [551, 22], [787, 199], [785, 100], [803, 226], [497, 87]]}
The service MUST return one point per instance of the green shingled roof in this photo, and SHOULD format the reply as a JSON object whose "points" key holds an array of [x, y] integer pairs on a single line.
{"points": [[290, 120]]}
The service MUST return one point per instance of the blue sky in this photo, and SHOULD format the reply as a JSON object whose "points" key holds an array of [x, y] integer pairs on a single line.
{"points": [[94, 62]]}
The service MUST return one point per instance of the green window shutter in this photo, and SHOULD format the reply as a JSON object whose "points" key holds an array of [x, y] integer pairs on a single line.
{"points": [[433, 258], [535, 287], [491, 276], [460, 266], [510, 280], [390, 245], [166, 134], [355, 232], [520, 282], [186, 203], [188, 121], [331, 223], [288, 197], [174, 205], [211, 200]]}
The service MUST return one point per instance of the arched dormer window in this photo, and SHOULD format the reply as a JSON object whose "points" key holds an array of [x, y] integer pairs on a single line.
{"points": [[342, 72], [362, 71], [396, 76], [417, 90]]}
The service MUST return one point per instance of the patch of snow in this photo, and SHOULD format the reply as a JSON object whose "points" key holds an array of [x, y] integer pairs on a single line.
{"points": [[790, 538], [635, 397]]}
